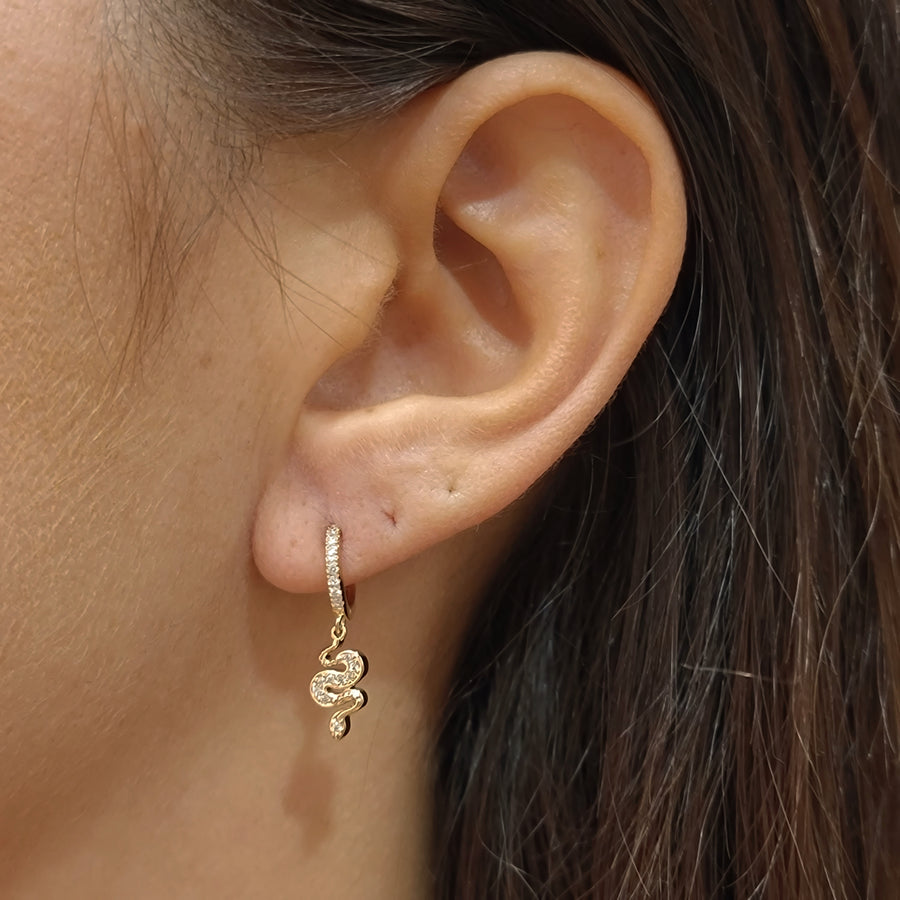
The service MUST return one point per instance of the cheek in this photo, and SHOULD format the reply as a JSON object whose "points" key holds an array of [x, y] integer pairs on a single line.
{"points": [[128, 479], [125, 510], [119, 551]]}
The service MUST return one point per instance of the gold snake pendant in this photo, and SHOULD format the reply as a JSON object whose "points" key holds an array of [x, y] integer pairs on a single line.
{"points": [[334, 688]]}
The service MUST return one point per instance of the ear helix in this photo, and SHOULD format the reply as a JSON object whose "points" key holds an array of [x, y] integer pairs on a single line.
{"points": [[335, 686]]}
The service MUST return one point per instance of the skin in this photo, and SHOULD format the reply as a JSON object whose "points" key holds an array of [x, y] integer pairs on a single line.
{"points": [[164, 491]]}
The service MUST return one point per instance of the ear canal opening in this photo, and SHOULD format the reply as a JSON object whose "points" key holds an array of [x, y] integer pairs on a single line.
{"points": [[481, 279], [459, 334]]}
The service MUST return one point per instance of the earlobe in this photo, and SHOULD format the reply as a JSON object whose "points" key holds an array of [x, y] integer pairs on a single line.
{"points": [[539, 218]]}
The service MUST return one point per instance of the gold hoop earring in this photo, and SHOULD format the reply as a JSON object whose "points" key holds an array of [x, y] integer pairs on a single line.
{"points": [[334, 688]]}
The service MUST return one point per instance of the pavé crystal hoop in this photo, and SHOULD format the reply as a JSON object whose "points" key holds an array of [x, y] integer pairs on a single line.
{"points": [[335, 686]]}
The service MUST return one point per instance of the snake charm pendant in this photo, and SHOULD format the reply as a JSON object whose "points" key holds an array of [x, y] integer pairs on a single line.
{"points": [[335, 686], [332, 688]]}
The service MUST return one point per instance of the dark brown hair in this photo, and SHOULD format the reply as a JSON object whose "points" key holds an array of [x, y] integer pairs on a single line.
{"points": [[695, 692]]}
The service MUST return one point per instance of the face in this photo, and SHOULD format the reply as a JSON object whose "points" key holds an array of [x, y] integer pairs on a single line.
{"points": [[131, 455]]}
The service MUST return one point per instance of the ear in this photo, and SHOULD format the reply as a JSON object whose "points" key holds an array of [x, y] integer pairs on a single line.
{"points": [[537, 210]]}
